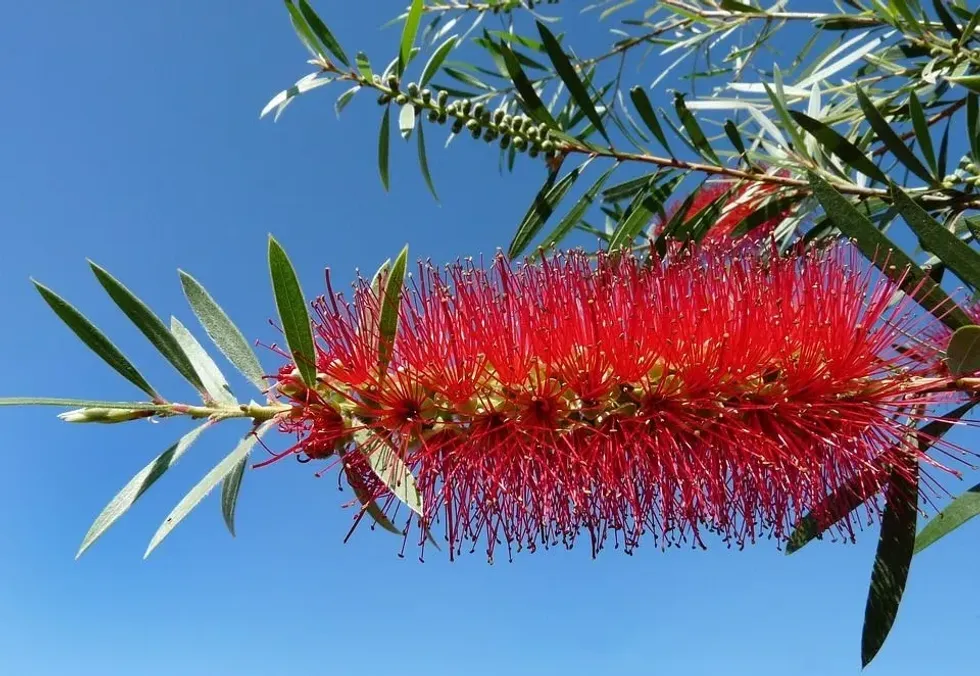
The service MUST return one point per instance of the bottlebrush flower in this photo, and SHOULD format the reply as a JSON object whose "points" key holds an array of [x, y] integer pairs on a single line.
{"points": [[709, 393]]}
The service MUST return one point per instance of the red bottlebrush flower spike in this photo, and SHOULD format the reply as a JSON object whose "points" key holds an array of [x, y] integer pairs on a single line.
{"points": [[710, 393]]}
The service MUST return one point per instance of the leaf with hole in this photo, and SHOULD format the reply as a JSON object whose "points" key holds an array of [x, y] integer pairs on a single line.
{"points": [[137, 486], [207, 484]]}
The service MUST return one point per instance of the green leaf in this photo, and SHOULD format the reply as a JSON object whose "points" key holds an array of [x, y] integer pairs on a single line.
{"points": [[390, 469], [384, 138], [84, 403], [892, 561], [231, 486], [963, 351], [137, 486], [149, 324], [345, 98], [642, 104], [529, 99], [922, 134], [390, 306], [575, 214], [957, 513], [222, 331], [291, 305], [436, 60], [768, 211], [206, 485], [778, 100], [973, 123], [322, 32], [944, 148], [876, 246], [891, 140], [406, 120], [215, 385], [409, 31], [640, 213], [303, 29], [363, 66], [731, 131], [954, 252], [948, 22], [565, 70], [839, 146], [854, 493], [733, 6], [424, 162], [540, 211], [693, 129], [371, 507], [94, 339]]}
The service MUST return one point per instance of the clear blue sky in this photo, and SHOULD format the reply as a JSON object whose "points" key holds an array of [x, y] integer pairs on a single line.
{"points": [[131, 136]]}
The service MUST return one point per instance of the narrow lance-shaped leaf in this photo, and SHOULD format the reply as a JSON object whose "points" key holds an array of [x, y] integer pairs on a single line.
{"points": [[390, 306], [694, 129], [731, 131], [222, 331], [973, 123], [886, 256], [95, 340], [921, 127], [322, 33], [644, 206], [839, 146], [137, 486], [149, 324], [370, 506], [529, 99], [856, 492], [892, 560], [424, 162], [303, 29], [540, 211], [565, 70], [957, 513], [363, 65], [642, 104], [409, 31], [891, 140], [574, 215], [436, 60], [231, 486], [206, 485], [85, 403], [293, 315], [391, 469], [952, 251], [384, 139], [215, 384]]}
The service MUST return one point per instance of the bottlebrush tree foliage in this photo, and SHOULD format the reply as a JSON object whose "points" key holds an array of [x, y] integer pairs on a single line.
{"points": [[766, 344]]}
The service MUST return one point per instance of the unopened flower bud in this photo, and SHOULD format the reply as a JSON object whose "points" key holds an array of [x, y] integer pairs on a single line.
{"points": [[401, 99], [457, 126], [426, 95], [413, 89], [442, 97], [393, 82], [103, 415], [473, 125], [498, 116]]}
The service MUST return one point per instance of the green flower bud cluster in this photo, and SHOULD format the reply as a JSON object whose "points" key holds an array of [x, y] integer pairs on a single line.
{"points": [[518, 131], [967, 173]]}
